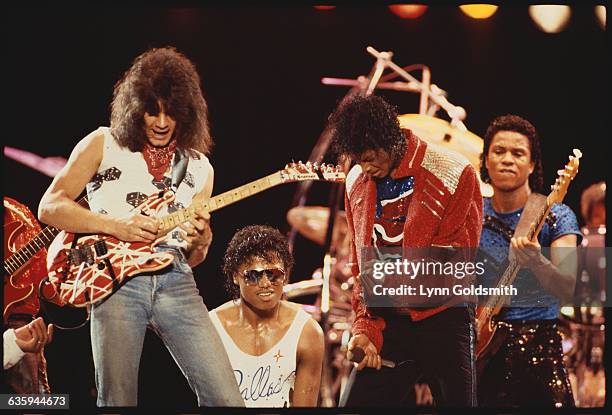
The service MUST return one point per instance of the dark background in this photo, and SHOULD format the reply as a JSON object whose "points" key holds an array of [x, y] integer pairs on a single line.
{"points": [[261, 68]]}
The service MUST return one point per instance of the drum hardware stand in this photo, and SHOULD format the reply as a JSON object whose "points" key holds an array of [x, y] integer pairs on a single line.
{"points": [[432, 97], [336, 194]]}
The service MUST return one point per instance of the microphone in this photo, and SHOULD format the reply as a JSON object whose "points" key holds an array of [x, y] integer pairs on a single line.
{"points": [[357, 354]]}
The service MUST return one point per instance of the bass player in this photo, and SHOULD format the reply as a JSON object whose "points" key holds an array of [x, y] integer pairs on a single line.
{"points": [[528, 367]]}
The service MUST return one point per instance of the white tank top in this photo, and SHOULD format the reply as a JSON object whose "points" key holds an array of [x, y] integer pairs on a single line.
{"points": [[265, 381], [123, 181]]}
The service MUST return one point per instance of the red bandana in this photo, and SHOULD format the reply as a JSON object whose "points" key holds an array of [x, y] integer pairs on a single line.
{"points": [[158, 158]]}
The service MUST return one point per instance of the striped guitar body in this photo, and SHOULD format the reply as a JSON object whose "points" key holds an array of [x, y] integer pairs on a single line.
{"points": [[85, 269]]}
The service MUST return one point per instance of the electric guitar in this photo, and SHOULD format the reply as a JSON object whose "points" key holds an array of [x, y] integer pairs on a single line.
{"points": [[22, 275], [486, 324], [85, 269]]}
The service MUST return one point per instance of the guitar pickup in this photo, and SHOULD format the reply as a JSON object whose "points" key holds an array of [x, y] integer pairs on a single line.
{"points": [[87, 254], [81, 254], [75, 257], [100, 248]]}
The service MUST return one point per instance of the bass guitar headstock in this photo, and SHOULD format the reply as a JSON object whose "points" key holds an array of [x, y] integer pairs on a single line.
{"points": [[565, 176]]}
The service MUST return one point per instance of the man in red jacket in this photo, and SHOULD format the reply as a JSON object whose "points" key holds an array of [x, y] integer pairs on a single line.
{"points": [[406, 193]]}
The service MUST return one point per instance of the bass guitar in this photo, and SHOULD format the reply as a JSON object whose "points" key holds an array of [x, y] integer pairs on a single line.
{"points": [[85, 269], [486, 324]]}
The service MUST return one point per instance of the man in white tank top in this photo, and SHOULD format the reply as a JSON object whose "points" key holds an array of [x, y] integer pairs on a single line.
{"points": [[158, 114], [275, 347]]}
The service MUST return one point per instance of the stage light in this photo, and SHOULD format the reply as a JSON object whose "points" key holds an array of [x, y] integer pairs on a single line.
{"points": [[324, 7], [479, 11], [550, 18], [600, 12], [408, 11]]}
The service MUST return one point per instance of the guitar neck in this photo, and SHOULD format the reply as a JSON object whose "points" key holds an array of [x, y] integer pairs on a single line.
{"points": [[13, 263], [43, 239], [495, 302], [174, 219]]}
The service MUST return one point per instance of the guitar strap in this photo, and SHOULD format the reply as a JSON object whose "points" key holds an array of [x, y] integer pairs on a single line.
{"points": [[179, 168], [533, 207]]}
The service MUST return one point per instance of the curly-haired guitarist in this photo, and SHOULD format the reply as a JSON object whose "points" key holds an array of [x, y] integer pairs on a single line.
{"points": [[158, 139]]}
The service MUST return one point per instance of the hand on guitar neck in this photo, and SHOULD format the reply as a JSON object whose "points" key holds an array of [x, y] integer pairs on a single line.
{"points": [[198, 235], [526, 252]]}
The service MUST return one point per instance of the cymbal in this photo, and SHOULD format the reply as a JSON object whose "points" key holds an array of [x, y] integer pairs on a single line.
{"points": [[311, 222], [442, 133], [304, 287]]}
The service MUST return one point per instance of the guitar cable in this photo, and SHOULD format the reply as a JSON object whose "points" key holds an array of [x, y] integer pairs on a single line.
{"points": [[45, 310]]}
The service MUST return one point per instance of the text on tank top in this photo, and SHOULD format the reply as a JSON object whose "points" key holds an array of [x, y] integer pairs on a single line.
{"points": [[265, 380]]}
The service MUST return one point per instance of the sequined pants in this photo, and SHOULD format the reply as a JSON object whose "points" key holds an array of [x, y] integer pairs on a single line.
{"points": [[528, 368]]}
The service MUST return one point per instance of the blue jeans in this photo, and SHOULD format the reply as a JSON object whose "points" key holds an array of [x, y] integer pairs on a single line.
{"points": [[169, 303]]}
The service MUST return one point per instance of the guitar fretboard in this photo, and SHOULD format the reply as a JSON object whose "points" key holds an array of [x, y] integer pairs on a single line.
{"points": [[13, 263], [42, 240], [224, 199]]}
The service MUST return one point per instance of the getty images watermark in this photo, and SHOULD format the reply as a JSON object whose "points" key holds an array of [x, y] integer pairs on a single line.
{"points": [[430, 277]]}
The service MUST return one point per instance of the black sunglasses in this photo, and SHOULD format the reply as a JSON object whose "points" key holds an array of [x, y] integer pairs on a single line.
{"points": [[276, 276]]}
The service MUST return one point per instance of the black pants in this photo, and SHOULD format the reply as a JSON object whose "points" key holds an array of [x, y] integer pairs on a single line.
{"points": [[439, 349], [528, 369]]}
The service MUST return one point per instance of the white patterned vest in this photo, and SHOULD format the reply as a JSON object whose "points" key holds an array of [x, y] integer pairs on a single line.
{"points": [[122, 182]]}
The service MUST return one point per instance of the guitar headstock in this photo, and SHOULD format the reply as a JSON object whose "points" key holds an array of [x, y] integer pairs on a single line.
{"points": [[565, 176], [297, 172]]}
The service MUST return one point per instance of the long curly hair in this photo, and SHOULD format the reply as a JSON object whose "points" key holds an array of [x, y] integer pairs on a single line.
{"points": [[166, 75], [519, 125], [255, 241], [367, 123]]}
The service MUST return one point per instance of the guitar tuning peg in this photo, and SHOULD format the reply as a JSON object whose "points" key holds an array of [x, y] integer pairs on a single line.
{"points": [[577, 153]]}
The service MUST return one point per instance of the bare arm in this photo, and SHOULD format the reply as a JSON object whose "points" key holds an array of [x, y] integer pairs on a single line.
{"points": [[557, 275], [197, 231], [58, 208], [309, 366]]}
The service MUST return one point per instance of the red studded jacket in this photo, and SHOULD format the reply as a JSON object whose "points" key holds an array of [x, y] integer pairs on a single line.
{"points": [[445, 209]]}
